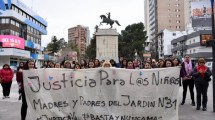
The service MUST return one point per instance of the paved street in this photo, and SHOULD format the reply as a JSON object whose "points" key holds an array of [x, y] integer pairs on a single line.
{"points": [[10, 108]]}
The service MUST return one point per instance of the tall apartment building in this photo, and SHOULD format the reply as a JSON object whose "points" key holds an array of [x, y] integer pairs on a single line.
{"points": [[20, 33], [163, 14], [79, 36]]}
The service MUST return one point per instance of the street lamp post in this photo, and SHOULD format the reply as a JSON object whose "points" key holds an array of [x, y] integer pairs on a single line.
{"points": [[213, 52]]}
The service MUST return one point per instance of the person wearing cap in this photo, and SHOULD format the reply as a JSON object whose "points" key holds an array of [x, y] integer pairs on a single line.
{"points": [[67, 65], [106, 64], [202, 76]]}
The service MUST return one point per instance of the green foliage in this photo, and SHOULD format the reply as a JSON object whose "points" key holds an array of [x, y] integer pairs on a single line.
{"points": [[62, 43], [91, 49], [131, 39], [55, 45], [74, 47]]}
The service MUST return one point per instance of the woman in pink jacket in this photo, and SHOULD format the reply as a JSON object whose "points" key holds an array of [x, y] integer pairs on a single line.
{"points": [[6, 75]]}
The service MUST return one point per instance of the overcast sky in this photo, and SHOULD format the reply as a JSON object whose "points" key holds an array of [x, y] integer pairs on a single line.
{"points": [[64, 14]]}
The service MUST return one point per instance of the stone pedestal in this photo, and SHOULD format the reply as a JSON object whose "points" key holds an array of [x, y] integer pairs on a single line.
{"points": [[107, 44]]}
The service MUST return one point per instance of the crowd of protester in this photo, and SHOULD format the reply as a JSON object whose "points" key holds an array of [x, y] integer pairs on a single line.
{"points": [[190, 74]]}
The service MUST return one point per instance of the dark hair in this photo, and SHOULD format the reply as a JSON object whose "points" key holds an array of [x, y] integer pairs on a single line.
{"points": [[93, 64], [122, 65], [132, 63], [77, 65], [98, 63], [167, 61], [159, 65], [148, 63], [114, 62], [26, 67], [83, 65], [179, 62], [6, 65], [19, 67]]}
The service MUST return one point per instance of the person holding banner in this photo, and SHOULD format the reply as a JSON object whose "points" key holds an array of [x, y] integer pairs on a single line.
{"points": [[124, 63], [18, 78], [168, 63], [91, 64], [202, 74], [106, 64], [6, 76], [77, 66], [186, 68], [130, 64], [29, 65], [57, 65], [147, 66], [67, 65]]}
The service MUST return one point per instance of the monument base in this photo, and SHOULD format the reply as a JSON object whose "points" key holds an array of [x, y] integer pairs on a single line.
{"points": [[107, 44]]}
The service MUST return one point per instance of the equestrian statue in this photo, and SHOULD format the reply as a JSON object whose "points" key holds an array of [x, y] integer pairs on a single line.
{"points": [[108, 20]]}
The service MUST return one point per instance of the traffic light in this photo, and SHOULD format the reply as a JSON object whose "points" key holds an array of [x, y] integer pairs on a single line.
{"points": [[210, 43]]}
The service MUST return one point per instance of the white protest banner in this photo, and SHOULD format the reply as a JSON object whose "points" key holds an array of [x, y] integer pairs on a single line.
{"points": [[102, 94]]}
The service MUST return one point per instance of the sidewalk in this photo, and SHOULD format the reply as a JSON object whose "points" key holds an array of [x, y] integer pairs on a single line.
{"points": [[189, 112]]}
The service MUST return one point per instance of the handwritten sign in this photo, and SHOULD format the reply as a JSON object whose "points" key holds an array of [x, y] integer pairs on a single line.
{"points": [[98, 94]]}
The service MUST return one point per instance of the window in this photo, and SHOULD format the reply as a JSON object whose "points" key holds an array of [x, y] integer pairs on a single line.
{"points": [[177, 10], [5, 32], [17, 24], [177, 16], [177, 21], [12, 22], [12, 32], [177, 27], [7, 20]]}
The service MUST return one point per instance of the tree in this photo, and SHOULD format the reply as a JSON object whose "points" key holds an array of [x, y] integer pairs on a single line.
{"points": [[74, 47], [54, 45], [91, 49], [131, 40], [62, 43]]}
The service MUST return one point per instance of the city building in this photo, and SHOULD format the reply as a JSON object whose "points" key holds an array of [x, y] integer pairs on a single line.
{"points": [[20, 34], [198, 14], [162, 14], [164, 42], [193, 44], [79, 36]]}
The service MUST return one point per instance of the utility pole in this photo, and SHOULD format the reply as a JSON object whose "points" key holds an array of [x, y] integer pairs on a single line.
{"points": [[213, 52]]}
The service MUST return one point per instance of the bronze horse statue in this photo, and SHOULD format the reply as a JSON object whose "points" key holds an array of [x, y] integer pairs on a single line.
{"points": [[108, 21]]}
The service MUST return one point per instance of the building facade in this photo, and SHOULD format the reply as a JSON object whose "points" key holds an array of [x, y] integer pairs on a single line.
{"points": [[20, 34], [163, 14], [79, 36], [193, 44], [164, 42]]}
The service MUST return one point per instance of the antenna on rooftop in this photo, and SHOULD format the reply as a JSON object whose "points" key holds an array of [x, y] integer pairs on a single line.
{"points": [[32, 4]]}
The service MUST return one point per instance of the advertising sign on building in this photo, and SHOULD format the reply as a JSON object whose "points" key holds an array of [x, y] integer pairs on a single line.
{"points": [[12, 41], [201, 15], [204, 38]]}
